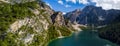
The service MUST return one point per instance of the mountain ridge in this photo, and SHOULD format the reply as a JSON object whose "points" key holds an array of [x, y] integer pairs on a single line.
{"points": [[106, 22], [30, 24], [96, 16]]}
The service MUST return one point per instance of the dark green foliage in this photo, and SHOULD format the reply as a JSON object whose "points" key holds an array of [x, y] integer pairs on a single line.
{"points": [[8, 40], [52, 32], [9, 14], [37, 41], [111, 32], [85, 28], [64, 31]]}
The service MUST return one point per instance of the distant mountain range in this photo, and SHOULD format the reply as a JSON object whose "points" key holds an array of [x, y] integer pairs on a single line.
{"points": [[93, 15], [97, 16]]}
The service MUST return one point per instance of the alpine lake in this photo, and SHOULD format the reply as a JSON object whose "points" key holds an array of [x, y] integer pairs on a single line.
{"points": [[82, 38]]}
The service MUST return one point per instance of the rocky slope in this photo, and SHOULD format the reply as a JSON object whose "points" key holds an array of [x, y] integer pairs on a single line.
{"points": [[97, 16], [72, 15], [58, 19], [31, 23]]}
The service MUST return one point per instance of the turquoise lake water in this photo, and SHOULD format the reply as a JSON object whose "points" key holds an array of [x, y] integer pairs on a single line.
{"points": [[82, 38]]}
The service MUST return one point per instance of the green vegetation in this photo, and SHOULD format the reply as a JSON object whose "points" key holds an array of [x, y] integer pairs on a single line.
{"points": [[87, 28], [84, 28], [27, 29], [9, 14], [52, 32], [111, 32], [64, 31], [37, 40], [8, 40]]}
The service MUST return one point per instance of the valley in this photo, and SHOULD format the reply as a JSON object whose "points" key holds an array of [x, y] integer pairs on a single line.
{"points": [[35, 23]]}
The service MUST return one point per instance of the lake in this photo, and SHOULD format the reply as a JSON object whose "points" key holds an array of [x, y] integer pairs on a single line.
{"points": [[82, 38]]}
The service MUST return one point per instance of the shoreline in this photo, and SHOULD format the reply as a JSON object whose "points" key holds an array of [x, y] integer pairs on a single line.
{"points": [[61, 37]]}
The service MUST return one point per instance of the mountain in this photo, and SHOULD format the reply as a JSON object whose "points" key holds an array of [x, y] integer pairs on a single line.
{"points": [[112, 31], [97, 16], [72, 15], [31, 23], [58, 19]]}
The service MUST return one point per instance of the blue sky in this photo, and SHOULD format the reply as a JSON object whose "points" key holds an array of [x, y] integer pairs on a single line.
{"points": [[70, 5], [64, 6]]}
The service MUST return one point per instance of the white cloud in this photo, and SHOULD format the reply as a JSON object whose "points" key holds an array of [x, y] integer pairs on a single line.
{"points": [[60, 2], [74, 1], [67, 6], [105, 4], [64, 13], [79, 1], [108, 4], [83, 1]]}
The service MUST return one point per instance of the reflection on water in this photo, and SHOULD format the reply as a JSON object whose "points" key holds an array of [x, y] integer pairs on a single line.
{"points": [[83, 38]]}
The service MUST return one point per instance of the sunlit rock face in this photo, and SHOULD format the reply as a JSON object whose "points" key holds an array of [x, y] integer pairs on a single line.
{"points": [[29, 28], [72, 15], [58, 19], [18, 24]]}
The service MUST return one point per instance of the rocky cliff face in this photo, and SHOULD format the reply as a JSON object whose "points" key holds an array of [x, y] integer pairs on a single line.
{"points": [[70, 19], [58, 19], [72, 15], [31, 24]]}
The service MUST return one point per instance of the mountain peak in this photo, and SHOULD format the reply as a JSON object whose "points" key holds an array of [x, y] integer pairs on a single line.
{"points": [[73, 15], [77, 10], [91, 7], [57, 18]]}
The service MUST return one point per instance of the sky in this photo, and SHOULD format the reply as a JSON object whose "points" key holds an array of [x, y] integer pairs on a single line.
{"points": [[70, 5]]}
